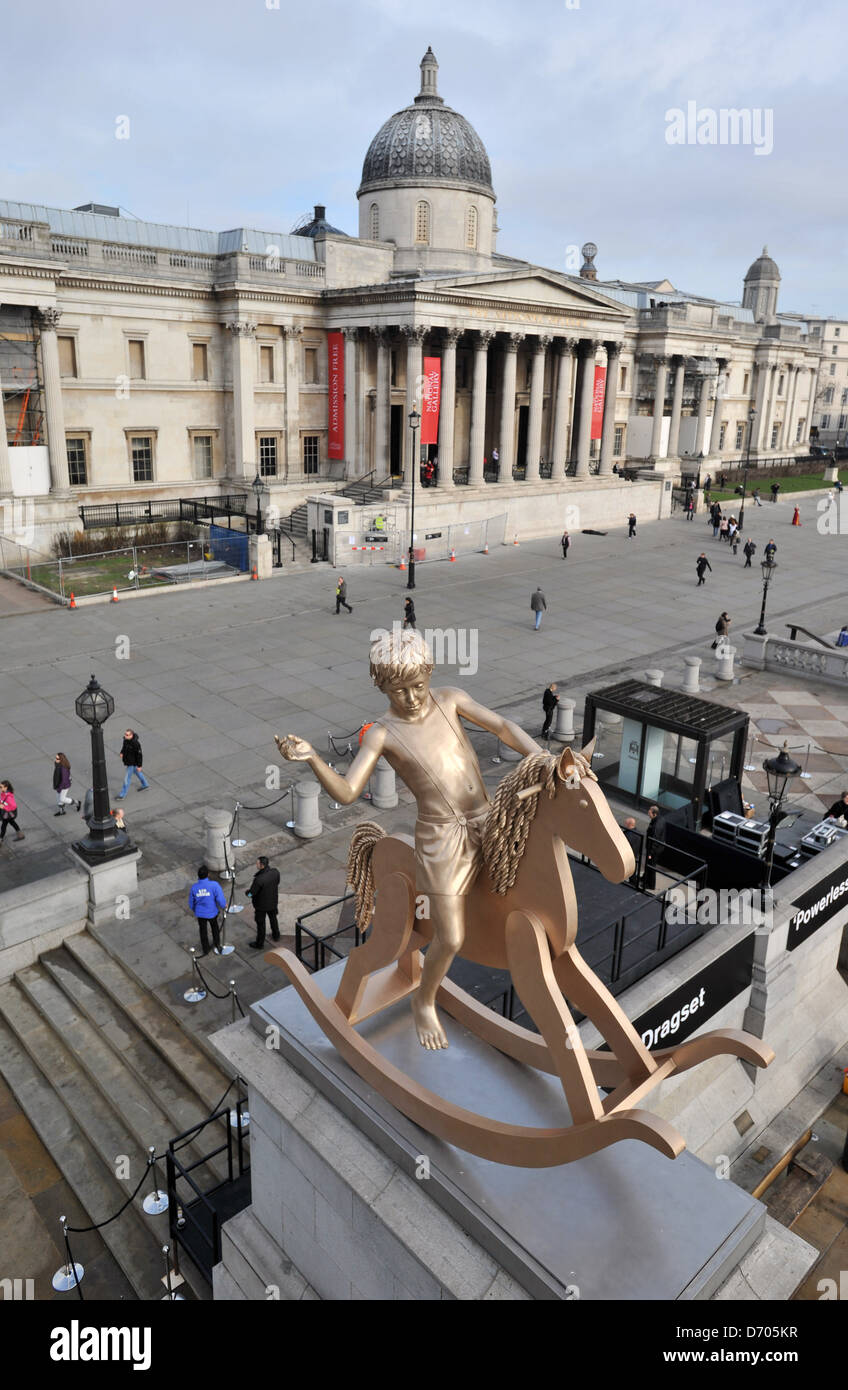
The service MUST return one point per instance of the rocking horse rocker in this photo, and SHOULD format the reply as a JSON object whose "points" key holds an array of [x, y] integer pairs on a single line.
{"points": [[510, 905]]}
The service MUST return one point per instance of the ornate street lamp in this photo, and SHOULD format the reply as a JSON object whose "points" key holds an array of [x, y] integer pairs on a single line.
{"points": [[751, 413], [778, 771], [104, 840], [769, 568], [258, 488], [414, 422]]}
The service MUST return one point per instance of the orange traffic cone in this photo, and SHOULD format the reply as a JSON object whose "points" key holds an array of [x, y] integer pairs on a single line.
{"points": [[254, 574], [515, 539], [402, 565], [73, 602], [114, 593], [453, 555], [486, 548]]}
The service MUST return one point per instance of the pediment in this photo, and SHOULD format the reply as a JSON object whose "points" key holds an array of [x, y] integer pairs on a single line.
{"points": [[536, 287]]}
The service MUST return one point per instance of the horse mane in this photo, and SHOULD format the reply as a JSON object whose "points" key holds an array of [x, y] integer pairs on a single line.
{"points": [[509, 819]]}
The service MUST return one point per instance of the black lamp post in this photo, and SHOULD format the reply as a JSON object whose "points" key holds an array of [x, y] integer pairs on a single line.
{"points": [[414, 422], [751, 413], [104, 840], [768, 568], [778, 771], [258, 487]]}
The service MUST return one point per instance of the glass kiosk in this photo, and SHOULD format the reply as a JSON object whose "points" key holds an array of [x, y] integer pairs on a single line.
{"points": [[663, 746]]}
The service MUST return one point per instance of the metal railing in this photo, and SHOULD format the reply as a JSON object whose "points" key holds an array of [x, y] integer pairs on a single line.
{"points": [[199, 1235], [320, 946], [103, 515]]}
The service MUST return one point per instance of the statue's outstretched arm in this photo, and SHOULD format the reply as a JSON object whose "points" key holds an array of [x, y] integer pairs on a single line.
{"points": [[345, 788], [508, 732]]}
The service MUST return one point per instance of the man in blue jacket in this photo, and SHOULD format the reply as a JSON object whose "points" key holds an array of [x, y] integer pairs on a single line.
{"points": [[205, 900]]}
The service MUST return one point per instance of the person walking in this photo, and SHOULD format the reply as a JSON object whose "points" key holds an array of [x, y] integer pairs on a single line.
{"points": [[654, 839], [796, 517], [9, 812], [722, 628], [775, 489], [749, 550], [408, 613], [131, 757], [631, 525], [690, 509], [723, 528], [62, 785], [565, 543], [634, 839], [702, 564], [734, 540], [341, 596], [550, 700], [538, 606], [708, 482], [206, 899], [716, 514], [770, 552], [756, 496], [263, 893]]}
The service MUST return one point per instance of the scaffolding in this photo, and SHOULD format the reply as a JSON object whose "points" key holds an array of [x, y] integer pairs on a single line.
{"points": [[20, 376]]}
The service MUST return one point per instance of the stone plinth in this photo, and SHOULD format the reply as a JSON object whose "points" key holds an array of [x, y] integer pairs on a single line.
{"points": [[654, 677], [217, 825], [564, 721], [260, 553], [307, 821], [692, 674], [725, 655], [113, 891]]}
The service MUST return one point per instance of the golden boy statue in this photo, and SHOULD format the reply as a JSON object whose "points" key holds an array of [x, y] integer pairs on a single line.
{"points": [[423, 739]]}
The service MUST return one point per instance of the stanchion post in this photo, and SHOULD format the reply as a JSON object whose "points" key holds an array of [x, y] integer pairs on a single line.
{"points": [[195, 992], [155, 1201], [70, 1275]]}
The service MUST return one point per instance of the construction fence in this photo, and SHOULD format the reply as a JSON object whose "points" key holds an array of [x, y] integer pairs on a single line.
{"points": [[366, 548], [129, 568]]}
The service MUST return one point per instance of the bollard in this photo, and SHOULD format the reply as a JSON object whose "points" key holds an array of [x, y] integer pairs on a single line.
{"points": [[217, 825], [654, 677], [564, 726], [307, 822], [691, 678], [383, 787], [724, 662], [508, 755]]}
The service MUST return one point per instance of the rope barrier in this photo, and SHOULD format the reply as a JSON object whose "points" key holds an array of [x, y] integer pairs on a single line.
{"points": [[208, 987], [83, 1230]]}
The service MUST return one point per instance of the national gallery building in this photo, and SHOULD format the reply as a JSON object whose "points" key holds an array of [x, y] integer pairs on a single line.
{"points": [[142, 362]]}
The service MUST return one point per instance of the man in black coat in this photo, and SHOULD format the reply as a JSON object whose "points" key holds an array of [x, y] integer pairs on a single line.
{"points": [[550, 700], [839, 808], [702, 564], [654, 840], [263, 894]]}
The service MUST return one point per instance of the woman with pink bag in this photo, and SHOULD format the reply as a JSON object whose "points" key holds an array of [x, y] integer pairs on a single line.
{"points": [[8, 812]]}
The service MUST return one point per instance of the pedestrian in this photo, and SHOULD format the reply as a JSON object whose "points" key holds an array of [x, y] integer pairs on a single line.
{"points": [[654, 839], [690, 509], [538, 606], [770, 552], [634, 839], [838, 485], [408, 613], [631, 525], [341, 596], [131, 757], [723, 528], [427, 473], [206, 900], [120, 823], [734, 539], [702, 564], [775, 489], [708, 482], [756, 496], [722, 481], [263, 893], [749, 550], [496, 461], [842, 639], [716, 515], [722, 628], [550, 700], [565, 543], [796, 517], [9, 812], [62, 785], [839, 809]]}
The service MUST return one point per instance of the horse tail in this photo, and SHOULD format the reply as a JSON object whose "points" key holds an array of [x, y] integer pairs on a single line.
{"points": [[360, 868]]}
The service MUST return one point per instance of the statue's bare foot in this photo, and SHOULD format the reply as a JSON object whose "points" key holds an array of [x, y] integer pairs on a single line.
{"points": [[430, 1032]]}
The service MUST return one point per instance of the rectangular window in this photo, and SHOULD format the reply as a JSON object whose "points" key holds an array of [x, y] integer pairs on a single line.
{"points": [[799, 431], [833, 351], [825, 422], [775, 431], [67, 357], [266, 363], [845, 395], [780, 382], [203, 456], [721, 435], [77, 463], [833, 369], [740, 435], [745, 382], [141, 451], [267, 456], [310, 453], [843, 422], [392, 367], [622, 379], [836, 332], [136, 352], [617, 441], [310, 363], [199, 362], [828, 396]]}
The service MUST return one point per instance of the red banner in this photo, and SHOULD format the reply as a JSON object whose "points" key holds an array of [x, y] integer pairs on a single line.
{"points": [[431, 396], [598, 392], [335, 400]]}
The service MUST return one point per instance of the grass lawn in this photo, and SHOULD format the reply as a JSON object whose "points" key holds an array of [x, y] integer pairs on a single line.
{"points": [[794, 482], [92, 574]]}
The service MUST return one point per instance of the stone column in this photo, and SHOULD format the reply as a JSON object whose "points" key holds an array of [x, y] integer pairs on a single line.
{"points": [[243, 333], [792, 398], [691, 676], [447, 407], [478, 407], [414, 334], [307, 820], [764, 403], [53, 409], [217, 824], [354, 462], [703, 402], [659, 405], [534, 428], [565, 377], [292, 334], [382, 410], [5, 468], [608, 431], [564, 720], [811, 402], [588, 348], [772, 393], [676, 403], [715, 432], [507, 431], [759, 406]]}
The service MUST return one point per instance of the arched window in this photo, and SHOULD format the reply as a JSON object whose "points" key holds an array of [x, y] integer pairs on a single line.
{"points": [[422, 223], [471, 229], [374, 223]]}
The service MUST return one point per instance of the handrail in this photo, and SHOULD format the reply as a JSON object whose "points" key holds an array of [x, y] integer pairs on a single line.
{"points": [[797, 627]]}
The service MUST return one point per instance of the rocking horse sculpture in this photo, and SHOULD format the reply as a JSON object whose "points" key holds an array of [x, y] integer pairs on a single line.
{"points": [[490, 881]]}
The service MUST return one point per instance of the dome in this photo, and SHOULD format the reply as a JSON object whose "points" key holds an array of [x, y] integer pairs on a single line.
{"points": [[764, 268], [427, 143]]}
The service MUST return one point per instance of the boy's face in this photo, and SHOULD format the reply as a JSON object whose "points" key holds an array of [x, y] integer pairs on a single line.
{"points": [[407, 695]]}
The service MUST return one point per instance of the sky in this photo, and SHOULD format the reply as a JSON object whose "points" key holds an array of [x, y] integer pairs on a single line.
{"points": [[248, 112]]}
